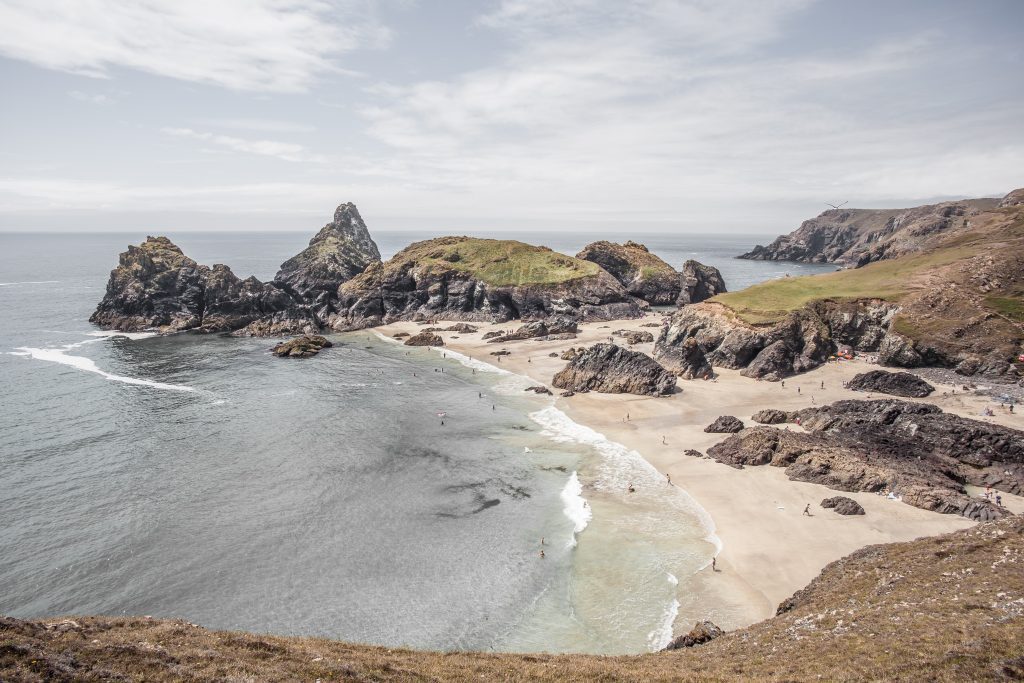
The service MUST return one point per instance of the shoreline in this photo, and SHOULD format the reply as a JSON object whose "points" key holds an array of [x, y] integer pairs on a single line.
{"points": [[768, 549]]}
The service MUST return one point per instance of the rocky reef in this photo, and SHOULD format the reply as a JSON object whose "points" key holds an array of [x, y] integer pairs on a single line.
{"points": [[156, 287], [473, 279], [725, 424], [306, 346], [702, 632], [341, 250], [699, 283], [614, 370], [425, 338], [643, 274], [843, 505], [856, 237], [901, 384], [916, 450]]}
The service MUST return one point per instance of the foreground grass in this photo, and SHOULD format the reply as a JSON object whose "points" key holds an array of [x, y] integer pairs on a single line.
{"points": [[949, 608]]}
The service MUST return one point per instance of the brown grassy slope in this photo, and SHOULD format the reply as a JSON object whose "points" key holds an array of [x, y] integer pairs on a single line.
{"points": [[948, 608]]}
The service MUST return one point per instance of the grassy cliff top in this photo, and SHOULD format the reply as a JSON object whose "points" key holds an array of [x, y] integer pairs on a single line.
{"points": [[495, 262], [998, 234]]}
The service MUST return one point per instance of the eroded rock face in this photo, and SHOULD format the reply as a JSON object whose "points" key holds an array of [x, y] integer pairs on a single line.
{"points": [[480, 280], [341, 250], [425, 339], [156, 287], [643, 274], [611, 369], [913, 449], [843, 505], [725, 424], [641, 337], [301, 347], [893, 383], [554, 327], [771, 416], [698, 283], [702, 632]]}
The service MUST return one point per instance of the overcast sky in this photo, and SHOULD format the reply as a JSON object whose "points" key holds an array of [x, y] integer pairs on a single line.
{"points": [[688, 115]]}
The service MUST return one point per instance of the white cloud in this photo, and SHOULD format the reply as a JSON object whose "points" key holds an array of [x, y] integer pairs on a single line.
{"points": [[91, 98], [259, 45], [259, 125], [285, 151]]}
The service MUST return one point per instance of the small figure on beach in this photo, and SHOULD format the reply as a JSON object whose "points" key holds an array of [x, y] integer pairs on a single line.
{"points": [[783, 384], [542, 540], [714, 562], [668, 478], [807, 510], [630, 488], [542, 553], [492, 406], [627, 416], [798, 390], [999, 500], [823, 384], [663, 442]]}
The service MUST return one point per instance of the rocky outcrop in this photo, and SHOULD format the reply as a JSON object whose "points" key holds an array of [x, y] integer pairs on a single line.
{"points": [[341, 250], [425, 339], [856, 237], [698, 283], [843, 505], [643, 274], [641, 337], [689, 361], [474, 279], [914, 450], [611, 369], [725, 424], [156, 287], [305, 346], [1015, 198], [462, 328], [901, 384], [772, 416], [702, 632], [555, 326]]}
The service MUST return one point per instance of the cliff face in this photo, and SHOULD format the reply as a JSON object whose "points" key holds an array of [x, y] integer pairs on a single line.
{"points": [[699, 283], [643, 274], [341, 250], [611, 369], [155, 286], [467, 278], [856, 237], [914, 449]]}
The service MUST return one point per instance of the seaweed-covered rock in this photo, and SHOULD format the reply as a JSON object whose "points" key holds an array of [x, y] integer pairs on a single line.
{"points": [[643, 274], [699, 282], [301, 347], [843, 505], [725, 424], [611, 369], [425, 339], [902, 384]]}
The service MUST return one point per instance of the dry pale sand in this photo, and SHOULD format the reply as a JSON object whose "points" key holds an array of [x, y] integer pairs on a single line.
{"points": [[770, 549]]}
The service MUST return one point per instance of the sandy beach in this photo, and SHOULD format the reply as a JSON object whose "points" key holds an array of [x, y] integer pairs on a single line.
{"points": [[769, 548]]}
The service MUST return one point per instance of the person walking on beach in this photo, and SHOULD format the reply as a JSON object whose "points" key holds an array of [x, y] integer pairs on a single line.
{"points": [[714, 561], [807, 510], [798, 390], [663, 442], [542, 553], [783, 384], [668, 478], [823, 384]]}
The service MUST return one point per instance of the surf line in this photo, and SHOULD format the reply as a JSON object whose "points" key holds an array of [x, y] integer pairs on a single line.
{"points": [[60, 355]]}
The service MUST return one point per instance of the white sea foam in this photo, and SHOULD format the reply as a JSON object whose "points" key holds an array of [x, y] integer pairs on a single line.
{"points": [[88, 365], [386, 338], [672, 578], [129, 335], [662, 635], [29, 282], [576, 507], [471, 362]]}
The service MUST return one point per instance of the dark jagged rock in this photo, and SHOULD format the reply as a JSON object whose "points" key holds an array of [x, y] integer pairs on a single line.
{"points": [[301, 347], [156, 287], [856, 237], [553, 327], [643, 274], [702, 632], [492, 334], [462, 328], [651, 325], [843, 505], [341, 250], [570, 353], [725, 424], [690, 361], [893, 383], [639, 338], [772, 416], [922, 454], [540, 389], [611, 369], [698, 283], [693, 453], [425, 339], [475, 279], [399, 335]]}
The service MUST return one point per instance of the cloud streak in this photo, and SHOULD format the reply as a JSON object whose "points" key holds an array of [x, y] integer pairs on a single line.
{"points": [[286, 151]]}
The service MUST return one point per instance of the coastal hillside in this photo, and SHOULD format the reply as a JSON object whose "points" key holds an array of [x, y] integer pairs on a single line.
{"points": [[856, 237], [946, 608], [957, 304], [468, 278]]}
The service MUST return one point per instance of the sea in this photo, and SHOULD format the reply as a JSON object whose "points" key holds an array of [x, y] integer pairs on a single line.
{"points": [[375, 493]]}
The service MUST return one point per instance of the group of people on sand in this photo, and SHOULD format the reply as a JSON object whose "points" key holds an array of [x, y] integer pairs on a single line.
{"points": [[992, 495]]}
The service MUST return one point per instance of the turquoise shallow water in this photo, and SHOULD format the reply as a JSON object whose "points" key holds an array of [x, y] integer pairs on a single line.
{"points": [[199, 477]]}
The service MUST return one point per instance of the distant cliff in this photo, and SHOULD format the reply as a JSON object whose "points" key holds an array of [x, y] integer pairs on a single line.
{"points": [[856, 237]]}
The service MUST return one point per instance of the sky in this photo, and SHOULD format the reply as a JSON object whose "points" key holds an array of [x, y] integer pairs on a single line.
{"points": [[575, 115]]}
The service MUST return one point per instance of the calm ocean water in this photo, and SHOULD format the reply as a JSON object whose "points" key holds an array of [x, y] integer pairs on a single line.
{"points": [[201, 478]]}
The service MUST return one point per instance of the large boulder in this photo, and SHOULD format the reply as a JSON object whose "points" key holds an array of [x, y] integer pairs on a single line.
{"points": [[843, 505], [301, 347], [771, 416], [341, 250], [702, 632], [156, 287], [555, 326], [698, 282], [473, 279], [725, 424], [643, 274], [611, 369], [425, 339], [893, 383]]}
